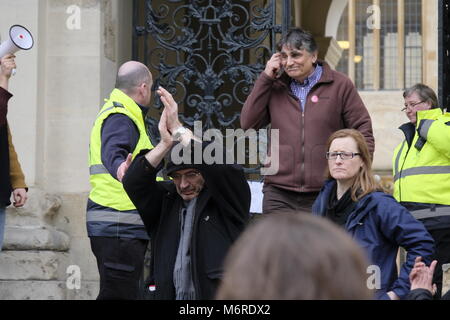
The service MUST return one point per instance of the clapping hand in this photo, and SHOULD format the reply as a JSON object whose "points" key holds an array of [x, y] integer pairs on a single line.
{"points": [[421, 276], [170, 109]]}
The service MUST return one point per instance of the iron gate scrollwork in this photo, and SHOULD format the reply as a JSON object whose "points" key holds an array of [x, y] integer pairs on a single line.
{"points": [[207, 53]]}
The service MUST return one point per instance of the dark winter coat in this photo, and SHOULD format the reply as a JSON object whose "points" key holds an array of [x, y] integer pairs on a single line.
{"points": [[5, 181], [221, 214]]}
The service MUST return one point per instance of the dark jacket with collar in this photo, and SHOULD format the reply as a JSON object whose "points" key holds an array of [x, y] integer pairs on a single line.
{"points": [[5, 182], [221, 214], [11, 174], [380, 225], [333, 103]]}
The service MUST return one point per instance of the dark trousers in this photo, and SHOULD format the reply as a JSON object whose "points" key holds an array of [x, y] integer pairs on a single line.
{"points": [[278, 200], [120, 262], [442, 255]]}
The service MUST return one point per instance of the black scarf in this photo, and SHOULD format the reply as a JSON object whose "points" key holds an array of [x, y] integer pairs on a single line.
{"points": [[339, 210]]}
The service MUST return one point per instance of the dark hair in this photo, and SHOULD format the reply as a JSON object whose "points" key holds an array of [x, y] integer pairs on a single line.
{"points": [[364, 182], [294, 256], [425, 93], [185, 158], [172, 167], [297, 38]]}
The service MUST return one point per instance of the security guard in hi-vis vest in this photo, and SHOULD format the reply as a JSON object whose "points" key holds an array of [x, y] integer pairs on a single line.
{"points": [[118, 236], [421, 166]]}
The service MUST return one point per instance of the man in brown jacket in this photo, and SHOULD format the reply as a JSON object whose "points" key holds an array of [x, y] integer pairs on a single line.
{"points": [[11, 176], [306, 101]]}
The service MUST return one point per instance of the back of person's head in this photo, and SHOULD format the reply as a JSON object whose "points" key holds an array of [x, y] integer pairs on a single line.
{"points": [[294, 256], [425, 93], [364, 182], [297, 38], [131, 75]]}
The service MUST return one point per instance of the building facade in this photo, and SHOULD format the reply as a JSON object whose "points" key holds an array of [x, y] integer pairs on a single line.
{"points": [[61, 83]]}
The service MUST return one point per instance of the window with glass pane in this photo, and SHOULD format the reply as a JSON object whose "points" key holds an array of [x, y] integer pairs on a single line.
{"points": [[389, 58], [413, 42]]}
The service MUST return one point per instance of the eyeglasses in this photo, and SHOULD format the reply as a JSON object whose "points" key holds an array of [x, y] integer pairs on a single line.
{"points": [[190, 176], [344, 155], [411, 105]]}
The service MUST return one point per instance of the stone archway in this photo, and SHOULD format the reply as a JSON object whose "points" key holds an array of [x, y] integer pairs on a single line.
{"points": [[326, 12], [335, 11]]}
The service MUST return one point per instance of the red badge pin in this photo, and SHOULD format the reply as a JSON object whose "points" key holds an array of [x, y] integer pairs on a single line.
{"points": [[315, 99]]}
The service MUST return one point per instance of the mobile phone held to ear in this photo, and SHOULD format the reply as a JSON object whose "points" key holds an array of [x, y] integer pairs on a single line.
{"points": [[280, 72]]}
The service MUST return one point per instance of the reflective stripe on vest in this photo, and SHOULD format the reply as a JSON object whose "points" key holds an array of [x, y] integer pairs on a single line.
{"points": [[429, 213], [98, 169], [425, 128], [115, 105], [397, 160], [422, 170], [129, 217]]}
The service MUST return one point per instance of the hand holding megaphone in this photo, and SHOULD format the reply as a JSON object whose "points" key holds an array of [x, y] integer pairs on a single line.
{"points": [[19, 39], [7, 65]]}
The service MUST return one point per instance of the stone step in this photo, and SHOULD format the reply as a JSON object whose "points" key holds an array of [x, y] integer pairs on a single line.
{"points": [[47, 290], [35, 238], [33, 265]]}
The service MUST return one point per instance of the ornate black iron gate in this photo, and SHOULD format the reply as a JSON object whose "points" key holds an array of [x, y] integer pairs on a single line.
{"points": [[444, 53], [207, 53]]}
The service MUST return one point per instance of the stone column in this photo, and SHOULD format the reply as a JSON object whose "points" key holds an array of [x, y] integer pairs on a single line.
{"points": [[430, 43], [329, 50]]}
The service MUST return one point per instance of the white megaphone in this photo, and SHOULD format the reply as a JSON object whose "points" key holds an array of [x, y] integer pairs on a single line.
{"points": [[19, 39]]}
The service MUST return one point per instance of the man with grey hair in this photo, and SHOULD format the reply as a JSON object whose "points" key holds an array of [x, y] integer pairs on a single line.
{"points": [[306, 101], [118, 236]]}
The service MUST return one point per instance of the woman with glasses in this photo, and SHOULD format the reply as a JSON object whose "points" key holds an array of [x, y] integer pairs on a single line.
{"points": [[421, 169], [377, 222]]}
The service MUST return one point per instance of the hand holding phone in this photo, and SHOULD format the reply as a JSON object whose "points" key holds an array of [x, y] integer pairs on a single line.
{"points": [[274, 68]]}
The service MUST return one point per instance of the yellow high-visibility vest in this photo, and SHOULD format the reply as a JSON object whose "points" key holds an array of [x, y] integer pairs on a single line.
{"points": [[107, 191], [424, 175]]}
